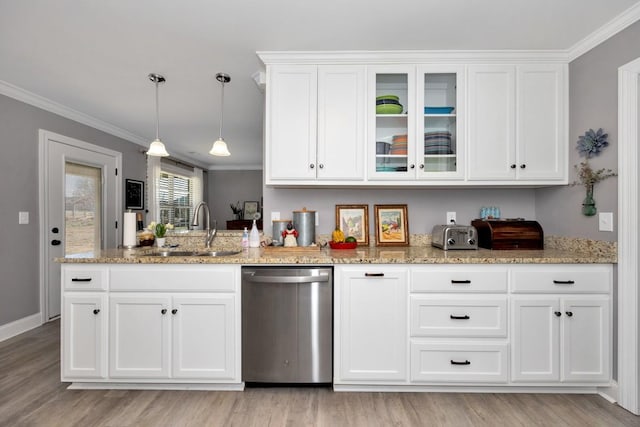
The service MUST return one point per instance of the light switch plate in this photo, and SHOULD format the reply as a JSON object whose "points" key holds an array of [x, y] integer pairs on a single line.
{"points": [[23, 217], [605, 221]]}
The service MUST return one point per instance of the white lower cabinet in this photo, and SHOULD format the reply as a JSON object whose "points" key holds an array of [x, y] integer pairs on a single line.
{"points": [[370, 310], [564, 339], [152, 324], [164, 336], [84, 335]]}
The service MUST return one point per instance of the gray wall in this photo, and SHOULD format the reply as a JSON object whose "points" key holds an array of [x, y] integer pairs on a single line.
{"points": [[19, 125], [593, 103], [230, 186], [426, 207]]}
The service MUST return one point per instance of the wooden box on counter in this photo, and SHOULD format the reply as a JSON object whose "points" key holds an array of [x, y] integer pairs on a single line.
{"points": [[509, 234]]}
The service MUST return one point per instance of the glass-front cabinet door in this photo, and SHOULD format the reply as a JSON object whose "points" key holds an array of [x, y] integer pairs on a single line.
{"points": [[391, 136], [439, 126]]}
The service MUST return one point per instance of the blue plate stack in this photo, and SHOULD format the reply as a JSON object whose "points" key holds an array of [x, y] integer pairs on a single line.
{"points": [[437, 142]]}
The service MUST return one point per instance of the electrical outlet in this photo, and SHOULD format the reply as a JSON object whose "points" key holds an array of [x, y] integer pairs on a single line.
{"points": [[605, 221], [451, 217]]}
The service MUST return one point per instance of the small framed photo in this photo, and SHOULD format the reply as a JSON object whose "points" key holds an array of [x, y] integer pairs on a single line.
{"points": [[134, 194], [353, 220], [251, 210], [392, 225]]}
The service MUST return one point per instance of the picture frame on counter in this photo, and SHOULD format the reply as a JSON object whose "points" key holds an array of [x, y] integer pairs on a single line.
{"points": [[134, 194], [250, 210], [353, 220], [392, 225]]}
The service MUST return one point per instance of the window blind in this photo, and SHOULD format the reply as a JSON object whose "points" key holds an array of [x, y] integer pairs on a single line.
{"points": [[175, 199]]}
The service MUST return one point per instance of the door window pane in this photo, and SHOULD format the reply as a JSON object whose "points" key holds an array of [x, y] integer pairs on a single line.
{"points": [[83, 207]]}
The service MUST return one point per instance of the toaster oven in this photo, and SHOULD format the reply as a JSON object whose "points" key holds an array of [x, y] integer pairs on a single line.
{"points": [[454, 236]]}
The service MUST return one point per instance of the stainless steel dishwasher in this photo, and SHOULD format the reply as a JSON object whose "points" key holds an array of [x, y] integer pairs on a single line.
{"points": [[287, 325]]}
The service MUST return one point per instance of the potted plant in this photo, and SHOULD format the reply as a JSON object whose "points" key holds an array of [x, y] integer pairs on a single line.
{"points": [[237, 210], [159, 230]]}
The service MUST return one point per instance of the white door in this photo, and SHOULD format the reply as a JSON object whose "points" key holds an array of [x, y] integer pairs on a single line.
{"points": [[341, 122], [139, 334], [542, 141], [491, 124], [80, 204], [292, 110], [84, 328], [535, 355], [204, 336], [371, 318], [586, 348]]}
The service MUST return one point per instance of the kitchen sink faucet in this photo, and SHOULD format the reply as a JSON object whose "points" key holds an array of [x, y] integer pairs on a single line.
{"points": [[211, 232]]}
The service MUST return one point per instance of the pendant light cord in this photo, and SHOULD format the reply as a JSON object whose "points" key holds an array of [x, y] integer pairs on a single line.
{"points": [[157, 112], [221, 109]]}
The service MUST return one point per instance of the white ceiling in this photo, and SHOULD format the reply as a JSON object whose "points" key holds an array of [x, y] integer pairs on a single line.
{"points": [[93, 56]]}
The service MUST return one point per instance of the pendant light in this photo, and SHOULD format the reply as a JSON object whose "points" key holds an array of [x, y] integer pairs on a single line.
{"points": [[157, 147], [220, 147]]}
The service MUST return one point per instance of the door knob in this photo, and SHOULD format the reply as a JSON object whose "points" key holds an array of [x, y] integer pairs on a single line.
{"points": [[55, 242]]}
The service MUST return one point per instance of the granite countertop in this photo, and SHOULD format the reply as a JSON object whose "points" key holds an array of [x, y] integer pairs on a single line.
{"points": [[362, 255]]}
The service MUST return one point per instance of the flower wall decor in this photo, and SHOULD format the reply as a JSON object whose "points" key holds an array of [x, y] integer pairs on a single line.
{"points": [[590, 145]]}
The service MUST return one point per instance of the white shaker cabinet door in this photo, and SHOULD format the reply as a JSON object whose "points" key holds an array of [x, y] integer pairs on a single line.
{"points": [[341, 122], [587, 345], [291, 118], [84, 339], [491, 122], [541, 117], [535, 333], [204, 337], [139, 334], [371, 324]]}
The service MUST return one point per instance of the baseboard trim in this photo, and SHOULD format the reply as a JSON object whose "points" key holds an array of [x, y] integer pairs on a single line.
{"points": [[609, 393], [19, 326], [465, 389], [156, 386]]}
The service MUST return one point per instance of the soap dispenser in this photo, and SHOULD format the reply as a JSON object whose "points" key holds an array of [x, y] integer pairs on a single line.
{"points": [[245, 238], [254, 236]]}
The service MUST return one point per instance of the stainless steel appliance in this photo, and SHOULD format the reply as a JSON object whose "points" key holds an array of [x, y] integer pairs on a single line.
{"points": [[287, 325], [453, 236]]}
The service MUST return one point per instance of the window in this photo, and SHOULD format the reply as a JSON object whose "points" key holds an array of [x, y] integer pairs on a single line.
{"points": [[175, 188], [175, 199]]}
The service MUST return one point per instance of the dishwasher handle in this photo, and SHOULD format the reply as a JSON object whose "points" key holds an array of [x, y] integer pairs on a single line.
{"points": [[252, 277]]}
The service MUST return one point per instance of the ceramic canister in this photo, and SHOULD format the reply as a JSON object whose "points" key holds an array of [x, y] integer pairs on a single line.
{"points": [[304, 222], [279, 225]]}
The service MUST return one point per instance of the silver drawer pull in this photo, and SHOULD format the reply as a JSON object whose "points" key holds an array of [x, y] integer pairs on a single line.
{"points": [[373, 274], [465, 317], [76, 279], [564, 282], [460, 282], [466, 362]]}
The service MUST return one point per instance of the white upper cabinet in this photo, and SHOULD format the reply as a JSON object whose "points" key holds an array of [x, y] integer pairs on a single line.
{"points": [[517, 123], [315, 123]]}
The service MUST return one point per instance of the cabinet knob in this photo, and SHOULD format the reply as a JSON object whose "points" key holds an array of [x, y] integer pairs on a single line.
{"points": [[412, 166], [96, 311], [513, 166], [522, 166], [55, 242], [311, 166], [174, 311], [557, 313], [163, 311], [421, 166], [569, 313], [321, 166]]}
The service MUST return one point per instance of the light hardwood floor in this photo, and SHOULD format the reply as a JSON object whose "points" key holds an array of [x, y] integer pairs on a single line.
{"points": [[31, 394]]}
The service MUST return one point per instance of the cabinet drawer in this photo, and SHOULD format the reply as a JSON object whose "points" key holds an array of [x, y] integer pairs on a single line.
{"points": [[562, 279], [81, 277], [458, 316], [459, 279], [458, 362], [180, 278]]}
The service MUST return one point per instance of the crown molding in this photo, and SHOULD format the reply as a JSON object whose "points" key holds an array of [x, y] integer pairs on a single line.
{"points": [[46, 104], [605, 32], [411, 56], [235, 168]]}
